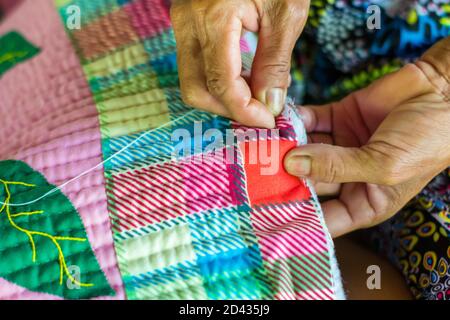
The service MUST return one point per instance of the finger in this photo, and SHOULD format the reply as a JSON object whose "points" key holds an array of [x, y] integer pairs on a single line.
{"points": [[193, 86], [220, 41], [191, 74], [434, 65], [364, 205], [353, 210], [323, 189], [335, 164], [337, 218], [316, 118], [327, 189], [280, 27]]}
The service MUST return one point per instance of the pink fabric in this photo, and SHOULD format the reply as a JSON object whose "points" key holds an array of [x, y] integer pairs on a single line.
{"points": [[49, 96], [145, 24], [244, 46], [7, 5]]}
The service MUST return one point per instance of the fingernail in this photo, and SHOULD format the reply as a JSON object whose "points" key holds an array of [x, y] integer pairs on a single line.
{"points": [[275, 98], [299, 166]]}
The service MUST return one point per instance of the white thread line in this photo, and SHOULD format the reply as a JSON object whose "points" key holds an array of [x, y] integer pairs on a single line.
{"points": [[98, 165]]}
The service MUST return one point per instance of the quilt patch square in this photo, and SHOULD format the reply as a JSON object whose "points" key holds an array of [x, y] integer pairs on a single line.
{"points": [[294, 250], [301, 278], [148, 195], [161, 45], [207, 182], [232, 275], [180, 281], [228, 254], [134, 113], [261, 170], [112, 31], [287, 230], [216, 232], [157, 250], [120, 62], [149, 17]]}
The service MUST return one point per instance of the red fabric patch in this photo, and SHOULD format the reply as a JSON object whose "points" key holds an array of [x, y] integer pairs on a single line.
{"points": [[280, 187]]}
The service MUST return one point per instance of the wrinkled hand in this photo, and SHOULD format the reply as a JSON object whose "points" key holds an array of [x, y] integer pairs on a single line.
{"points": [[208, 36], [383, 143]]}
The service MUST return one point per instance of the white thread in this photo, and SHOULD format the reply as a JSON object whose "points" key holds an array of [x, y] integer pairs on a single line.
{"points": [[96, 166]]}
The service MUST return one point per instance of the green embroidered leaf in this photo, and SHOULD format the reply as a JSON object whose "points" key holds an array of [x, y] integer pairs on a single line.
{"points": [[43, 245], [14, 48]]}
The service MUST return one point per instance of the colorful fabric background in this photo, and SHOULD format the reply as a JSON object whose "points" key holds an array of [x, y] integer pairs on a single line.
{"points": [[162, 225]]}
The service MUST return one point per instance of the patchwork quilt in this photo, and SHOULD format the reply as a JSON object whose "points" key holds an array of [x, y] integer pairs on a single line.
{"points": [[112, 188]]}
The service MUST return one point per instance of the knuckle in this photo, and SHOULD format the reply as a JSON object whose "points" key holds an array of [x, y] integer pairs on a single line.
{"points": [[289, 13], [174, 11], [218, 89], [188, 95], [177, 11], [371, 217], [295, 7], [198, 7], [385, 159], [360, 219], [279, 69], [365, 220], [214, 85], [216, 82], [329, 168], [219, 10], [198, 18]]}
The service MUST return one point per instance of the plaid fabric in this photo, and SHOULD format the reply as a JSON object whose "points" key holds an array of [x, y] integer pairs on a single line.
{"points": [[191, 227]]}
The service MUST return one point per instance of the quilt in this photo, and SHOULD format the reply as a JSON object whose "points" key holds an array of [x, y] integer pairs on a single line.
{"points": [[112, 188]]}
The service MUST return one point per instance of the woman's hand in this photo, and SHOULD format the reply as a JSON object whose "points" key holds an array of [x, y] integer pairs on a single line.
{"points": [[208, 36], [386, 142]]}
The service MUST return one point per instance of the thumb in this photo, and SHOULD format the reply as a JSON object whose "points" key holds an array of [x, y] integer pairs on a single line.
{"points": [[280, 27], [334, 164]]}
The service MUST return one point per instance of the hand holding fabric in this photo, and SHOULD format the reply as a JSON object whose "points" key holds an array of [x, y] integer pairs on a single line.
{"points": [[384, 143], [208, 37]]}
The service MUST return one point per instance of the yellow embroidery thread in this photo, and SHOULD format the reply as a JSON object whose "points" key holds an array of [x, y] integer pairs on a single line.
{"points": [[62, 261], [12, 56]]}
